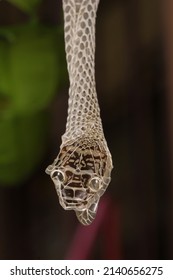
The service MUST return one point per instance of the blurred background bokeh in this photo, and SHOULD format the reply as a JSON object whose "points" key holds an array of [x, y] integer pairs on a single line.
{"points": [[134, 74]]}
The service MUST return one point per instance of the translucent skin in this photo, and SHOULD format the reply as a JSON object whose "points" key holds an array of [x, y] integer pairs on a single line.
{"points": [[81, 172]]}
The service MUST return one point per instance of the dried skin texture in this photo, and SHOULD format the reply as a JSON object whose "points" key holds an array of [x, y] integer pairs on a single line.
{"points": [[81, 171]]}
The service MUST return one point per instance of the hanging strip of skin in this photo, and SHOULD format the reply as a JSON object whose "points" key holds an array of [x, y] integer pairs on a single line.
{"points": [[82, 170]]}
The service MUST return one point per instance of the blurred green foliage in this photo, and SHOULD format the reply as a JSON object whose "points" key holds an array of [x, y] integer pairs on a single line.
{"points": [[22, 145], [31, 70], [29, 66], [26, 5]]}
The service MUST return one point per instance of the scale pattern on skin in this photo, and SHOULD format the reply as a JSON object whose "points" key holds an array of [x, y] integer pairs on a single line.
{"points": [[81, 172]]}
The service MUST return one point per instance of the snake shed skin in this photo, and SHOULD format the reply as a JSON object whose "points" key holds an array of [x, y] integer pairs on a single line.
{"points": [[82, 170]]}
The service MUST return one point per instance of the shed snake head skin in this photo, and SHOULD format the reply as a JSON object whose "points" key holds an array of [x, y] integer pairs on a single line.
{"points": [[81, 174]]}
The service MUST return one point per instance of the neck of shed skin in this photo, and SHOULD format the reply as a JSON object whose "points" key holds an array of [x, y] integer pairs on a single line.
{"points": [[83, 107]]}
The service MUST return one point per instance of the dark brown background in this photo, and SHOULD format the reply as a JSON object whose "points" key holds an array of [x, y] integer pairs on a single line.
{"points": [[134, 60]]}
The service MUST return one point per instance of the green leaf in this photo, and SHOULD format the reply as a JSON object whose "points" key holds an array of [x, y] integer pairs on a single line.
{"points": [[22, 145], [4, 68], [28, 6], [32, 68]]}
